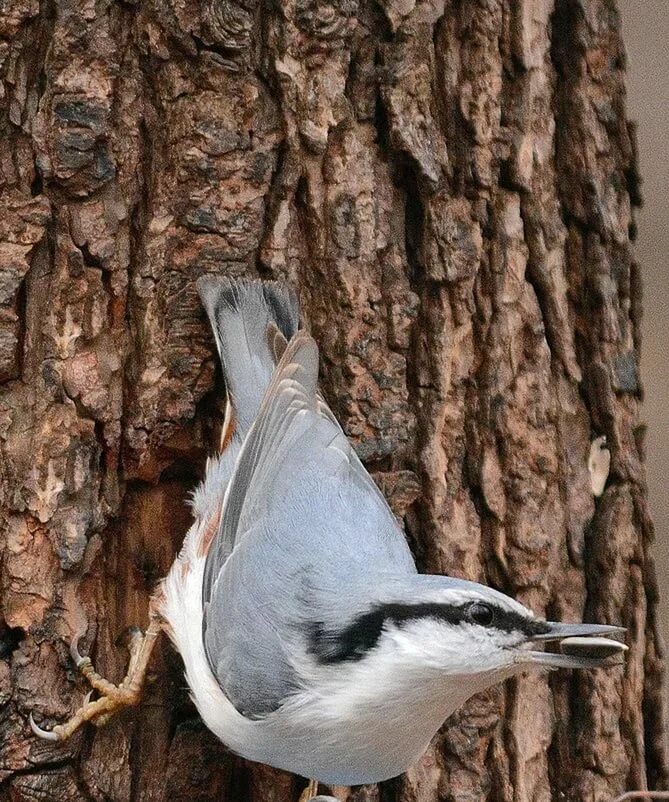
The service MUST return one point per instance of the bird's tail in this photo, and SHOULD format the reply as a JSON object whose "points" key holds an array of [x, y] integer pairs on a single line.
{"points": [[252, 321]]}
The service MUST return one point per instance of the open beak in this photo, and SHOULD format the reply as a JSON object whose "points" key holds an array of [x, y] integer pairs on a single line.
{"points": [[579, 645]]}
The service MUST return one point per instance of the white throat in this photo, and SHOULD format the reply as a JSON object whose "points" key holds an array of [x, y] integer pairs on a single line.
{"points": [[396, 697]]}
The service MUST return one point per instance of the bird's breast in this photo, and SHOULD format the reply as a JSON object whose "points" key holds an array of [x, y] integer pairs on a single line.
{"points": [[357, 728]]}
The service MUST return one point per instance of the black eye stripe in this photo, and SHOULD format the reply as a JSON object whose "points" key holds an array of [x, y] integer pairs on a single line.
{"points": [[362, 635]]}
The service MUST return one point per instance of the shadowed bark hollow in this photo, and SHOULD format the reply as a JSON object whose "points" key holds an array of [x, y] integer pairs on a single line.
{"points": [[449, 185]]}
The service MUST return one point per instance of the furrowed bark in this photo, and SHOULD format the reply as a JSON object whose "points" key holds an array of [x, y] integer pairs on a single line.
{"points": [[450, 187]]}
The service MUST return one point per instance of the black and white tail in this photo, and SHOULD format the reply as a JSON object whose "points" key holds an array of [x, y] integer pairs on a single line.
{"points": [[252, 321]]}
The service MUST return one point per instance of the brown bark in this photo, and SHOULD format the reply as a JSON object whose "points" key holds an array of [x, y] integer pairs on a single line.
{"points": [[449, 184]]}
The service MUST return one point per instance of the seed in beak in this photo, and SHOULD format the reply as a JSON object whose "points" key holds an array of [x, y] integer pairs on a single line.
{"points": [[595, 648]]}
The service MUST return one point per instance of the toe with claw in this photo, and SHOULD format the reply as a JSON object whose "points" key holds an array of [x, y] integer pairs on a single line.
{"points": [[74, 651], [113, 698], [45, 735]]}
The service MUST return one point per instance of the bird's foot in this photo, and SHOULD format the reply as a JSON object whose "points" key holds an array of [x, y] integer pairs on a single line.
{"points": [[309, 792], [113, 698]]}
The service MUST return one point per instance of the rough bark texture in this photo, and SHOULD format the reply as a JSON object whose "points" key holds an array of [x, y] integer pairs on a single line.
{"points": [[449, 184]]}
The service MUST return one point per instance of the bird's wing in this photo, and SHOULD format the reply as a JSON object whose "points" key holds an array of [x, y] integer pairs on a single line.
{"points": [[311, 531]]}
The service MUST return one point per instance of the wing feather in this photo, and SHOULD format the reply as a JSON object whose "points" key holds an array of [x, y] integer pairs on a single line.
{"points": [[309, 528]]}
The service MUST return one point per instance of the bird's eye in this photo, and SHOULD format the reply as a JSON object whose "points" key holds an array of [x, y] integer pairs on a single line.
{"points": [[482, 614]]}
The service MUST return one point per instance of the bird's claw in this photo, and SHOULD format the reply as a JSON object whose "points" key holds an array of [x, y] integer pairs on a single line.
{"points": [[45, 735], [112, 697], [54, 734], [74, 651]]}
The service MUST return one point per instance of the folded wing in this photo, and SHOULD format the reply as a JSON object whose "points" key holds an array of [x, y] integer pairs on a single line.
{"points": [[302, 514]]}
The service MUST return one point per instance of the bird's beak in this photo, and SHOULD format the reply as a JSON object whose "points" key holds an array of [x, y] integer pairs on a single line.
{"points": [[580, 646]]}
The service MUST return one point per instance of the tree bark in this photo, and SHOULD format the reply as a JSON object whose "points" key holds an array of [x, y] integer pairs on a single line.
{"points": [[449, 184]]}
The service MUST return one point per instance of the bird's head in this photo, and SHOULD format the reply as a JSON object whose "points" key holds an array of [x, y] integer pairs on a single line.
{"points": [[393, 662], [453, 628]]}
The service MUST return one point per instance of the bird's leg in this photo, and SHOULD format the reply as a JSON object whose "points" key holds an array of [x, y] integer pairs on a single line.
{"points": [[130, 689], [113, 697], [310, 791], [98, 682]]}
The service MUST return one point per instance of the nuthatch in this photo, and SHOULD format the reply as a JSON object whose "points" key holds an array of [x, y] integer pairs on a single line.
{"points": [[309, 640]]}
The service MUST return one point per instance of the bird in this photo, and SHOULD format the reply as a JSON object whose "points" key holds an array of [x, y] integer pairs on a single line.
{"points": [[309, 639]]}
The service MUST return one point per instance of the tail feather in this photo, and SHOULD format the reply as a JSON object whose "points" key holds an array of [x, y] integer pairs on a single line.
{"points": [[251, 321]]}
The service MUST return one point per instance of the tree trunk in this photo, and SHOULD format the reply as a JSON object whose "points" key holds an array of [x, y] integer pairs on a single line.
{"points": [[449, 184]]}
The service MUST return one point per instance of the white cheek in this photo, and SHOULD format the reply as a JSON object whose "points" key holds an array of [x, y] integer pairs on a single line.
{"points": [[464, 649]]}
